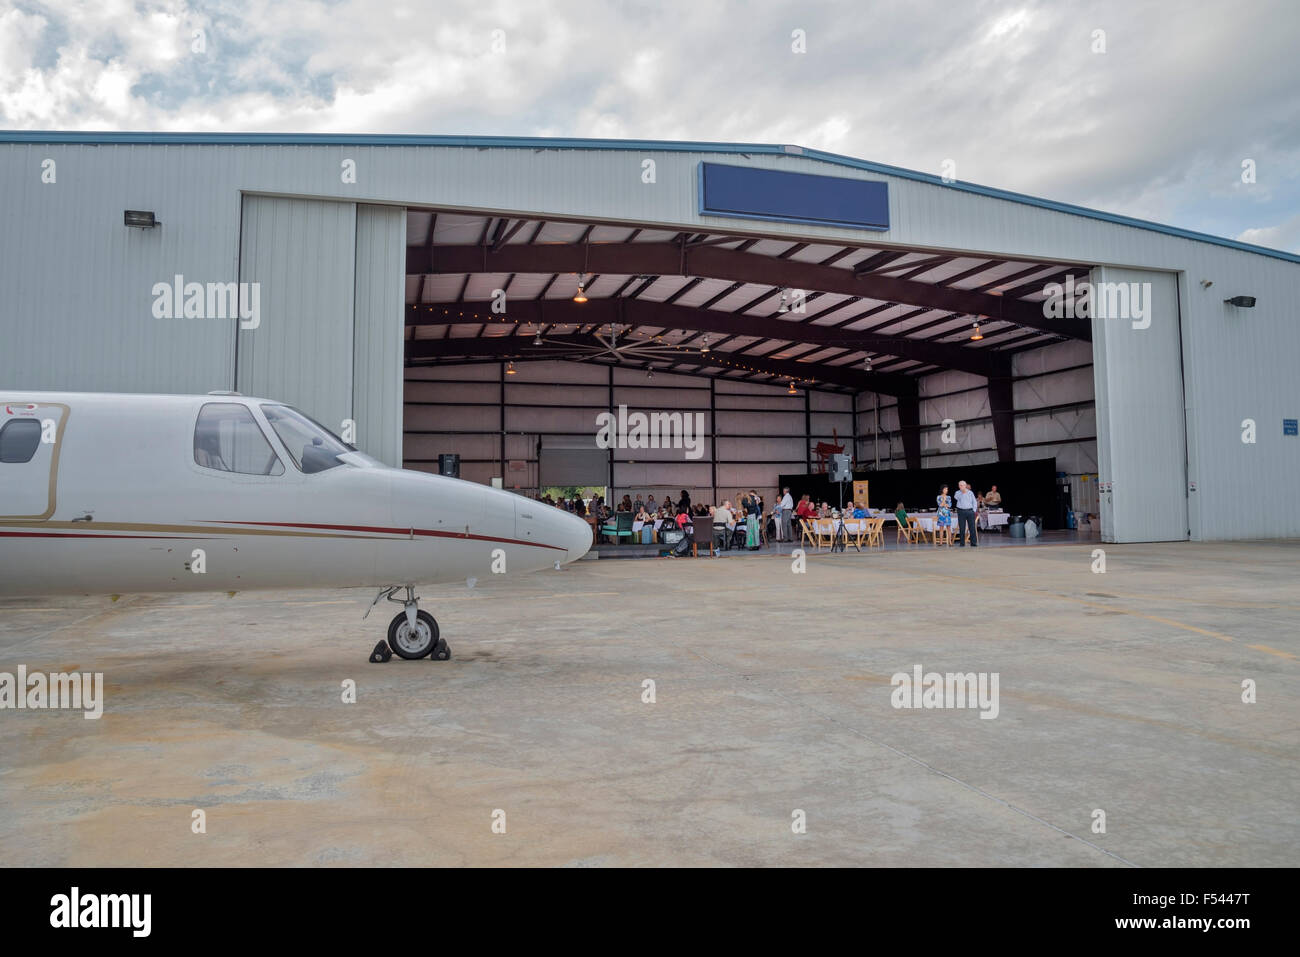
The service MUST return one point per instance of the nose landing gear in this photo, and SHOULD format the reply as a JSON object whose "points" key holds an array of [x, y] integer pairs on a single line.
{"points": [[413, 633]]}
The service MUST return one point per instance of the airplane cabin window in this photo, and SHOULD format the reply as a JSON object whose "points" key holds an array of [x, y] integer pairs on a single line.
{"points": [[312, 447], [19, 440], [227, 438]]}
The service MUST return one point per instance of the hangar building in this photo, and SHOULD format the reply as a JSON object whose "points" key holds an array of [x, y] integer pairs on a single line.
{"points": [[428, 292]]}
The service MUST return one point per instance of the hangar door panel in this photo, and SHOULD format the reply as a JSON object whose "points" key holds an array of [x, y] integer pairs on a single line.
{"points": [[302, 255], [576, 462], [1141, 421]]}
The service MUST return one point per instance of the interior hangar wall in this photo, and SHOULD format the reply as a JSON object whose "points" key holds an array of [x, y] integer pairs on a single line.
{"points": [[1052, 390], [502, 425]]}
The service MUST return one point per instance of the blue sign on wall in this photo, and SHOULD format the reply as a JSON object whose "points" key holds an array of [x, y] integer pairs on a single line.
{"points": [[1290, 426], [792, 197]]}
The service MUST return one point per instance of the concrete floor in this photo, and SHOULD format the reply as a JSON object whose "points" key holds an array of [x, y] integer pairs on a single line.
{"points": [[1118, 691]]}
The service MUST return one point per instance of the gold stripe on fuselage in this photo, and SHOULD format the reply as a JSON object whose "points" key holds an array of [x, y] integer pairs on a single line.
{"points": [[188, 530]]}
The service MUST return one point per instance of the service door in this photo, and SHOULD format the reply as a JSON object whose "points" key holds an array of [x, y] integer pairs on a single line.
{"points": [[30, 437]]}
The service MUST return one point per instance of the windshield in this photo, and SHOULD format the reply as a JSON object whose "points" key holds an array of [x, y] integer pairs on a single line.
{"points": [[313, 447]]}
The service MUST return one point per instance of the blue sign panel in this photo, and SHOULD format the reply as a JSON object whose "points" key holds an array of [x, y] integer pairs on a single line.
{"points": [[1289, 426], [792, 197]]}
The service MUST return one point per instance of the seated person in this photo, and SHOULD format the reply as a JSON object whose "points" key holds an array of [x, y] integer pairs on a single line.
{"points": [[723, 522], [860, 510], [993, 499], [805, 509], [901, 514], [642, 515]]}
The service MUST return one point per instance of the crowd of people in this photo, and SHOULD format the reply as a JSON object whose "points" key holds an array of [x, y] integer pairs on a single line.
{"points": [[749, 513]]}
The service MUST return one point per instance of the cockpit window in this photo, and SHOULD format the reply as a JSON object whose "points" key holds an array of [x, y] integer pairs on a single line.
{"points": [[227, 438], [313, 447]]}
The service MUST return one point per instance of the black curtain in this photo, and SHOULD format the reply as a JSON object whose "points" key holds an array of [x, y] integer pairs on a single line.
{"points": [[1027, 488]]}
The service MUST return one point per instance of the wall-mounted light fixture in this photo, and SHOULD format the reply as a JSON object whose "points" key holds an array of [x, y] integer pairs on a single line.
{"points": [[140, 219], [510, 368], [1241, 302]]}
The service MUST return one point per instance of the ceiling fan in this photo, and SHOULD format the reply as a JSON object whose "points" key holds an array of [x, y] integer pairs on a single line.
{"points": [[608, 346]]}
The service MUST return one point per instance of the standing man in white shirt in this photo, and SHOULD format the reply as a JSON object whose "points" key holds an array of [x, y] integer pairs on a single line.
{"points": [[785, 510], [965, 500]]}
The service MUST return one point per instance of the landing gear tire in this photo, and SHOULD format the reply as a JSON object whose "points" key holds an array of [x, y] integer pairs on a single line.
{"points": [[440, 651], [414, 643]]}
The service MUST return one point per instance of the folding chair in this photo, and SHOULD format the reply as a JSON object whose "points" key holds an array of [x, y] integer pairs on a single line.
{"points": [[807, 532], [916, 531], [875, 532]]}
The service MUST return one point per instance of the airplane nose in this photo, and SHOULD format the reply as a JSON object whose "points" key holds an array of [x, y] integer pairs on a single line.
{"points": [[575, 536]]}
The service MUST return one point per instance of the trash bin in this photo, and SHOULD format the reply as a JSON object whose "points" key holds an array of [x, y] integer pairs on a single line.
{"points": [[1016, 526], [1033, 526]]}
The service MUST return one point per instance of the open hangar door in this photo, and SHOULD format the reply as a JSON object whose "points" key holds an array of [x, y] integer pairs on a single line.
{"points": [[329, 332], [1140, 407], [772, 340]]}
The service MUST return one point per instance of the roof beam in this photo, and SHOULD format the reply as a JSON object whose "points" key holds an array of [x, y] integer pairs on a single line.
{"points": [[520, 348], [689, 318], [715, 262]]}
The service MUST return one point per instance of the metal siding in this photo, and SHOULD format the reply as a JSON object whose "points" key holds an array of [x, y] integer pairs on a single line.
{"points": [[379, 328], [78, 283], [302, 252], [1241, 364], [96, 331]]}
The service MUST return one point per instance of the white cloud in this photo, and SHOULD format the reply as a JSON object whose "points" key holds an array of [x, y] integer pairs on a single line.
{"points": [[1155, 127], [1284, 235]]}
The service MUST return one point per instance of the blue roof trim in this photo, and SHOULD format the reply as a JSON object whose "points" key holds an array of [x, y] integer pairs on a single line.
{"points": [[553, 143]]}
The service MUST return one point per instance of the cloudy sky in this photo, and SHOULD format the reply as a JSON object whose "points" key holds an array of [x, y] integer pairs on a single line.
{"points": [[1152, 117]]}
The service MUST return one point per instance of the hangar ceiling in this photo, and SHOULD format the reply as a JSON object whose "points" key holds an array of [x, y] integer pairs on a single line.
{"points": [[717, 304]]}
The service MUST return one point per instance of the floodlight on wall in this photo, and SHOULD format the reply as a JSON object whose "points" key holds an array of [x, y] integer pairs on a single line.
{"points": [[510, 368], [140, 218], [1241, 302]]}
